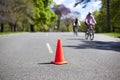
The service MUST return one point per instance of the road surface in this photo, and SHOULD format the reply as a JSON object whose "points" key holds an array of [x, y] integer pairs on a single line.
{"points": [[28, 56]]}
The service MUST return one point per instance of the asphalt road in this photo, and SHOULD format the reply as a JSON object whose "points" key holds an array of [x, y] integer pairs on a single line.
{"points": [[28, 56]]}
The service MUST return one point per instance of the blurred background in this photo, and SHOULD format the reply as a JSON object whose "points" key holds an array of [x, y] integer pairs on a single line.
{"points": [[57, 15]]}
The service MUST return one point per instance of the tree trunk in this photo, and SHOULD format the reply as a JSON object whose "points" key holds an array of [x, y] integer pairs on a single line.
{"points": [[23, 27], [15, 27], [108, 16], [58, 27], [11, 27], [113, 29], [32, 28], [2, 28], [68, 28]]}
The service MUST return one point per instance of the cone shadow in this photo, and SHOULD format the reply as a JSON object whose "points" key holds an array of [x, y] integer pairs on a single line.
{"points": [[45, 63]]}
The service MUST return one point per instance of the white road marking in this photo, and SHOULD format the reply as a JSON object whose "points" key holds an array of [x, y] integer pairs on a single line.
{"points": [[49, 48]]}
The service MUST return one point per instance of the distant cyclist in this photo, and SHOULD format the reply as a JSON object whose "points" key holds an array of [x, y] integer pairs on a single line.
{"points": [[76, 24], [90, 20]]}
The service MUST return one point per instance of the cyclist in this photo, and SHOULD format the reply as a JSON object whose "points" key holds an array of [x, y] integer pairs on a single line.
{"points": [[76, 24], [90, 20]]}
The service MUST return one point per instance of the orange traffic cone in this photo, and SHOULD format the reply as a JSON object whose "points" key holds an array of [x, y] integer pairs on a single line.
{"points": [[59, 57]]}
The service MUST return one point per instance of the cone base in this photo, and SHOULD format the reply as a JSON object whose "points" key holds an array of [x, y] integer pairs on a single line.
{"points": [[59, 63]]}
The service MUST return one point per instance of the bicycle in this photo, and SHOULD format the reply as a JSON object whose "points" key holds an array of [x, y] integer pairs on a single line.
{"points": [[89, 32], [76, 30]]}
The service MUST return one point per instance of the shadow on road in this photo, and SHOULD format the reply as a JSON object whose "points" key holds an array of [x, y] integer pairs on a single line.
{"points": [[114, 46]]}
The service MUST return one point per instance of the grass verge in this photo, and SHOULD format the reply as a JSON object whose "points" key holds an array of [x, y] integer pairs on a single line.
{"points": [[7, 33], [117, 35]]}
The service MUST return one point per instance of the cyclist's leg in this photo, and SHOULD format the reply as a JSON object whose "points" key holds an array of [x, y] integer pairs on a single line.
{"points": [[87, 32], [87, 28], [75, 29], [93, 26], [91, 32]]}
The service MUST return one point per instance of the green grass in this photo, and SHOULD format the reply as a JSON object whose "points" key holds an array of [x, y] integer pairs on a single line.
{"points": [[7, 33], [113, 34]]}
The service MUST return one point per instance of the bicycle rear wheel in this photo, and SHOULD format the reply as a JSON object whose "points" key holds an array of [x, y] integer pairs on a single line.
{"points": [[76, 31]]}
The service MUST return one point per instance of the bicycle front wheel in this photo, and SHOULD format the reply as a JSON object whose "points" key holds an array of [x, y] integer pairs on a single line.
{"points": [[86, 35], [91, 35], [76, 31]]}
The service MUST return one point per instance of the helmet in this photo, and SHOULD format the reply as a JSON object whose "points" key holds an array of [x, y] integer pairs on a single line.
{"points": [[89, 13]]}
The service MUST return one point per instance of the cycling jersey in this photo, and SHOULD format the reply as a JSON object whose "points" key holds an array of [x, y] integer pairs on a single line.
{"points": [[90, 20]]}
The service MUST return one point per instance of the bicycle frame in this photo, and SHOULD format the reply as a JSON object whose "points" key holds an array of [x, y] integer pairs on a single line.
{"points": [[89, 32], [76, 30]]}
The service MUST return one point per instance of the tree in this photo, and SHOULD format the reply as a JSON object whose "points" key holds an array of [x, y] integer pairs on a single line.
{"points": [[85, 2], [108, 10], [43, 14], [108, 16], [61, 10], [33, 13], [3, 11], [115, 13], [14, 12]]}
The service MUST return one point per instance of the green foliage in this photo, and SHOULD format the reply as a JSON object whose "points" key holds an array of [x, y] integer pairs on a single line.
{"points": [[7, 27], [70, 28], [101, 17], [26, 12], [115, 13], [63, 28], [83, 26], [43, 13]]}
